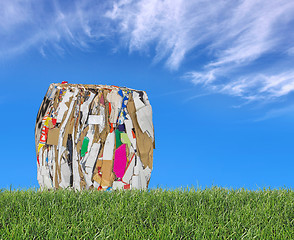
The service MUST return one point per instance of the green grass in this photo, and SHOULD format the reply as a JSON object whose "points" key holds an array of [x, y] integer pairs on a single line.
{"points": [[213, 213]]}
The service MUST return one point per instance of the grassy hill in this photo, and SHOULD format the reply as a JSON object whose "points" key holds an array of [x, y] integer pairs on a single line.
{"points": [[213, 213]]}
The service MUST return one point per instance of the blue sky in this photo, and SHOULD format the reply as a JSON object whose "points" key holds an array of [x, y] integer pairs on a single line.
{"points": [[219, 76]]}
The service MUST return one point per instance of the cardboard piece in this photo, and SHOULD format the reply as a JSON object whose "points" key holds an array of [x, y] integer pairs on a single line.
{"points": [[143, 141], [94, 136], [106, 170], [53, 135]]}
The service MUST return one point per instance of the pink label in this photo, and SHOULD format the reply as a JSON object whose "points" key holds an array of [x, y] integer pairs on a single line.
{"points": [[120, 161]]}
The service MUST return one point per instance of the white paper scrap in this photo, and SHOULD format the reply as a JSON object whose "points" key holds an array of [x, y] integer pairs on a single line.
{"points": [[118, 185], [95, 119]]}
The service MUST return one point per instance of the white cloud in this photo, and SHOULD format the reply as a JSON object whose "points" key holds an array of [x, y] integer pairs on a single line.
{"points": [[251, 87], [174, 26], [13, 13], [225, 39], [26, 24], [234, 34]]}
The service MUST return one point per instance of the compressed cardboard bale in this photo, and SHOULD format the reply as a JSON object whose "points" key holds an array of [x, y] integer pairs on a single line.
{"points": [[94, 136]]}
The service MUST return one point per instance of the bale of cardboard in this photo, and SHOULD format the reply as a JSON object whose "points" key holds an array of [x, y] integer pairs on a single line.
{"points": [[94, 136]]}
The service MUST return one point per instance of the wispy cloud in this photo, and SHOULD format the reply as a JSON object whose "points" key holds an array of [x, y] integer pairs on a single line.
{"points": [[234, 35], [175, 27], [49, 25], [275, 113], [257, 86], [242, 48]]}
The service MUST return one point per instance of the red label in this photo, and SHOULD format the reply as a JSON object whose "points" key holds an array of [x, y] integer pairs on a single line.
{"points": [[54, 121], [44, 133]]}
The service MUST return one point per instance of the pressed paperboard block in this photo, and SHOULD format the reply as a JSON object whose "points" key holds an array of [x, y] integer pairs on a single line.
{"points": [[87, 135]]}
